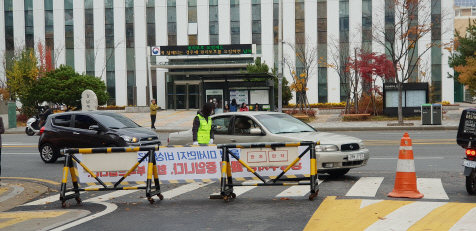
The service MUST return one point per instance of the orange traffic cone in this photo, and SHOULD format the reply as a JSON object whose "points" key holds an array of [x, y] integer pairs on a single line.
{"points": [[405, 181]]}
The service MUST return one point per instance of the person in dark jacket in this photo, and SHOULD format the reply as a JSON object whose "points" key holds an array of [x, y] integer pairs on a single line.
{"points": [[202, 126], [233, 106], [44, 115]]}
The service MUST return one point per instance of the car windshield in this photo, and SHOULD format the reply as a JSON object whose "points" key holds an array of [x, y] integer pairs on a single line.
{"points": [[115, 121], [283, 123]]}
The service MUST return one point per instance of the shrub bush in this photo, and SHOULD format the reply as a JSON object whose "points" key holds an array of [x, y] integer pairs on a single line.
{"points": [[366, 107], [22, 118], [112, 108], [310, 112], [319, 105]]}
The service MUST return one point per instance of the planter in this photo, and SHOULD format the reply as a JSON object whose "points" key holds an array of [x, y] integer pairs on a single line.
{"points": [[451, 107], [327, 111], [138, 109]]}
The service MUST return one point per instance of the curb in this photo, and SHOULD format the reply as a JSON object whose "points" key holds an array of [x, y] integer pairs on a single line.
{"points": [[389, 128]]}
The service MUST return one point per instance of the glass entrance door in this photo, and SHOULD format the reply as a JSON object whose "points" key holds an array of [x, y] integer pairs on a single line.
{"points": [[187, 95]]}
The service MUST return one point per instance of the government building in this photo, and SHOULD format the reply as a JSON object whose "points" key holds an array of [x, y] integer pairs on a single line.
{"points": [[124, 42]]}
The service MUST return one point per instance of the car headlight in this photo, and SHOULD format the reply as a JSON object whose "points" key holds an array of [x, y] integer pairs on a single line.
{"points": [[327, 148], [129, 139], [361, 145]]}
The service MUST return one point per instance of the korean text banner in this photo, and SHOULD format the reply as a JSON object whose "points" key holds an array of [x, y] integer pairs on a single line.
{"points": [[190, 163]]}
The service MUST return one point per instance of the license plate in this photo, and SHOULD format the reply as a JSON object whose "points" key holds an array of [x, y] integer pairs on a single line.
{"points": [[469, 164], [358, 156]]}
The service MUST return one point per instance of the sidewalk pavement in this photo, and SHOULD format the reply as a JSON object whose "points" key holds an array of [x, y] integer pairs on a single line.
{"points": [[173, 121]]}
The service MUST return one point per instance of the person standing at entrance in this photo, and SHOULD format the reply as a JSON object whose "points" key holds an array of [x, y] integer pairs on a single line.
{"points": [[153, 113], [233, 106], [244, 107], [202, 126]]}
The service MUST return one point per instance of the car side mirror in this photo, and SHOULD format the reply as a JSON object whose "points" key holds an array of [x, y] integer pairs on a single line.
{"points": [[256, 131], [95, 128]]}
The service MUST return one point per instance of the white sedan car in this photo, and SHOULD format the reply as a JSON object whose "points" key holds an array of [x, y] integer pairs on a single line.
{"points": [[336, 154]]}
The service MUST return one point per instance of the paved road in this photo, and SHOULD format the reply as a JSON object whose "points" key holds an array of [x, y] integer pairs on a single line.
{"points": [[186, 207]]}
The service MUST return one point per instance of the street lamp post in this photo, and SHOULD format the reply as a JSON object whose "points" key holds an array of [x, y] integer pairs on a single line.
{"points": [[280, 57]]}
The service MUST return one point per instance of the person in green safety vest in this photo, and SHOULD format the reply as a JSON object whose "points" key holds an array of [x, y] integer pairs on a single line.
{"points": [[202, 126]]}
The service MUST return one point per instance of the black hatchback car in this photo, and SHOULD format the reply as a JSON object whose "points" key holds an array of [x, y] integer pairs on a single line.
{"points": [[90, 129]]}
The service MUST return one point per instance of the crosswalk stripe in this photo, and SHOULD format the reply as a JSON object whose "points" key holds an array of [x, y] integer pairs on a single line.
{"points": [[112, 195], [466, 222], [366, 203], [365, 187], [184, 189], [443, 217], [297, 190], [406, 216], [54, 198], [432, 188]]}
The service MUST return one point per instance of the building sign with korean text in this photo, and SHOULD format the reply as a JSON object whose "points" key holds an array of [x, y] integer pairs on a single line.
{"points": [[235, 49]]}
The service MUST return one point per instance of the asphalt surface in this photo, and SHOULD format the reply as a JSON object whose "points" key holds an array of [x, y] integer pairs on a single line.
{"points": [[263, 208]]}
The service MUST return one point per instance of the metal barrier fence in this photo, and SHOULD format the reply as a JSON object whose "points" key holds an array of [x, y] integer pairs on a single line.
{"points": [[227, 179], [69, 167]]}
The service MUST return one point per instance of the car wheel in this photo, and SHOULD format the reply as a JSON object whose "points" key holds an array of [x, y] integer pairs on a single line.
{"points": [[29, 131], [338, 172], [48, 154]]}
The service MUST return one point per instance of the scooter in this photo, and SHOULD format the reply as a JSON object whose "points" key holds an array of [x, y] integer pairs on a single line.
{"points": [[33, 126], [466, 138]]}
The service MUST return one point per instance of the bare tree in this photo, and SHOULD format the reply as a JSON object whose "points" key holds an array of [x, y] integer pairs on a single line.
{"points": [[92, 58], [302, 64], [338, 60], [413, 21]]}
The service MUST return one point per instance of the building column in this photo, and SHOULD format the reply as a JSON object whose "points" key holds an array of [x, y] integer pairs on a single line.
{"points": [[79, 37], [39, 22], [120, 52], [378, 21], [161, 38], [140, 48], [289, 36], [203, 22], [245, 22], [3, 77], [333, 79], [310, 29], [18, 24], [58, 15], [182, 22], [267, 33], [224, 30], [447, 84], [100, 39]]}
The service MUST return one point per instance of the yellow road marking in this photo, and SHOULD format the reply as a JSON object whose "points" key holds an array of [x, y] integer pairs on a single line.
{"points": [[443, 217], [17, 217], [335, 214], [35, 179]]}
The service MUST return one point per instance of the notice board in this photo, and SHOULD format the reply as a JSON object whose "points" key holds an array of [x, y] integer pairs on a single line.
{"points": [[259, 96]]}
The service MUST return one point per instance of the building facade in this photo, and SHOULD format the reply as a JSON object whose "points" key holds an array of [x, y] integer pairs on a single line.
{"points": [[111, 39]]}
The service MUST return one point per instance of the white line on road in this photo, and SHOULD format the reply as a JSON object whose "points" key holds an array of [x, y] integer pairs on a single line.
{"points": [[20, 153], [112, 195], [365, 187], [416, 158], [184, 189], [432, 188], [238, 190], [406, 216], [54, 198], [297, 190], [368, 202], [109, 209], [16, 191]]}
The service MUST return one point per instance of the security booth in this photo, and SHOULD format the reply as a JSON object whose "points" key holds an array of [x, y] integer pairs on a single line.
{"points": [[252, 89], [414, 95]]}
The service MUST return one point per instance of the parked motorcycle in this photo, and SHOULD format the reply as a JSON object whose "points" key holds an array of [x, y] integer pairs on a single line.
{"points": [[466, 138], [33, 125]]}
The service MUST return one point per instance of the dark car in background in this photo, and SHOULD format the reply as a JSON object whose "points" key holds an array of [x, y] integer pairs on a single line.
{"points": [[90, 129]]}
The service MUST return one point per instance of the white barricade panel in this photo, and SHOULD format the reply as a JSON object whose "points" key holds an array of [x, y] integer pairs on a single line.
{"points": [[268, 157], [108, 162], [189, 163], [271, 168]]}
